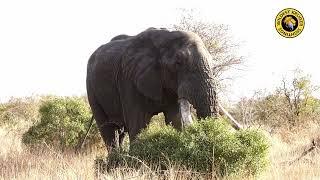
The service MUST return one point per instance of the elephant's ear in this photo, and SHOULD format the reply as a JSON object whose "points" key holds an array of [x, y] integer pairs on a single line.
{"points": [[141, 64]]}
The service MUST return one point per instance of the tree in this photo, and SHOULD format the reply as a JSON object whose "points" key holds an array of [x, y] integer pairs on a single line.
{"points": [[299, 95], [216, 39], [292, 103]]}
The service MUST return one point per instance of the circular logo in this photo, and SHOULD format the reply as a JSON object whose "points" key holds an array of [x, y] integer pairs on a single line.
{"points": [[289, 23]]}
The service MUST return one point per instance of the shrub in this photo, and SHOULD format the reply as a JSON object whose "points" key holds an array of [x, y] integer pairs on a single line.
{"points": [[292, 104], [205, 146], [63, 123], [19, 110]]}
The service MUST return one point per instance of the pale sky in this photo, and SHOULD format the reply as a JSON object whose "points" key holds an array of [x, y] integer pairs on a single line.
{"points": [[45, 45]]}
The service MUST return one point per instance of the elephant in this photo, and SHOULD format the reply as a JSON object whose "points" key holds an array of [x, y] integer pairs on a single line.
{"points": [[132, 78], [120, 37]]}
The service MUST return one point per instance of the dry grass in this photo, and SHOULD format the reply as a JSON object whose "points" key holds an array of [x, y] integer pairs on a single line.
{"points": [[287, 147], [17, 162]]}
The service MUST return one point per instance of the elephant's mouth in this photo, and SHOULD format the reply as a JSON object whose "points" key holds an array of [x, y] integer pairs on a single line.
{"points": [[185, 112]]}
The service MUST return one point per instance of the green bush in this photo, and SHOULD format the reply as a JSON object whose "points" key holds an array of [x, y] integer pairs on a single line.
{"points": [[205, 146], [63, 124]]}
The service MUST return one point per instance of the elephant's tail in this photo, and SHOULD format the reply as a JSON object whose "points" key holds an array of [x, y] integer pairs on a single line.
{"points": [[81, 143]]}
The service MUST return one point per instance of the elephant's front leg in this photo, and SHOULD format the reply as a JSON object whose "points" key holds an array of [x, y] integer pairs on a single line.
{"points": [[172, 115], [134, 107], [121, 132], [137, 119]]}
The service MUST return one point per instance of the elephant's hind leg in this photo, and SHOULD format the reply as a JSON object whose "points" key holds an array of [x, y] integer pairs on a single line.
{"points": [[107, 129]]}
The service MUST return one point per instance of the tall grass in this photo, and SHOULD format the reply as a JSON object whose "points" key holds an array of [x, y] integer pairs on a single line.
{"points": [[18, 162]]}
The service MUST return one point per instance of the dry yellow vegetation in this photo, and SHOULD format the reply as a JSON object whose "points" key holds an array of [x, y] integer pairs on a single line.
{"points": [[18, 162]]}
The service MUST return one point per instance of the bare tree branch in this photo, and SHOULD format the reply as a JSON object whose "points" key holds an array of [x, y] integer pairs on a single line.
{"points": [[216, 39]]}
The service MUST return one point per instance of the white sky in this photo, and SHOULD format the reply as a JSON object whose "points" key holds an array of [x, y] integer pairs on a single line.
{"points": [[45, 45]]}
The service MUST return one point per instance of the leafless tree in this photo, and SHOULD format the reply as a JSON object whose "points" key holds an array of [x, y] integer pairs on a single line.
{"points": [[218, 41]]}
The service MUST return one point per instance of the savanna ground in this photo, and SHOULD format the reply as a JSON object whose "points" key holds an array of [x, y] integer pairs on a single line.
{"points": [[20, 162]]}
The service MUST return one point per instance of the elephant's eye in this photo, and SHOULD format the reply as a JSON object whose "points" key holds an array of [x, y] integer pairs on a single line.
{"points": [[178, 63], [179, 59], [180, 55]]}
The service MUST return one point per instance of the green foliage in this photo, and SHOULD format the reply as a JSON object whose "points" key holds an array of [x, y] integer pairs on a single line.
{"points": [[63, 123], [204, 146], [299, 94]]}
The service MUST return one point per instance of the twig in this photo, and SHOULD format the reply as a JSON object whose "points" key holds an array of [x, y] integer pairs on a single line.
{"points": [[313, 146]]}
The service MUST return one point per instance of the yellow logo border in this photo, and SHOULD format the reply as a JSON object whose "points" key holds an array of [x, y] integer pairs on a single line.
{"points": [[281, 15]]}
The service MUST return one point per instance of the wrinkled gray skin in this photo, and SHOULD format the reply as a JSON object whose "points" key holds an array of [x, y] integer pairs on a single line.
{"points": [[132, 78]]}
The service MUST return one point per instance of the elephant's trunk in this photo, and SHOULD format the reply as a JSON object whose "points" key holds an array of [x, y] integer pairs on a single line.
{"points": [[199, 89], [203, 98], [206, 106]]}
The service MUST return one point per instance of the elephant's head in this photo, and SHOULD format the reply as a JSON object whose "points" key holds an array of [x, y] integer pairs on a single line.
{"points": [[175, 63]]}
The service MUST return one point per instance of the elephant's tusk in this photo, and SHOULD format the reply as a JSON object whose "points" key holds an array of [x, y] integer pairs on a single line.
{"points": [[233, 122], [185, 112]]}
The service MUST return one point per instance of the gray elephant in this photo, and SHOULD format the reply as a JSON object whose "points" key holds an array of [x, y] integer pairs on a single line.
{"points": [[132, 78], [120, 37]]}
